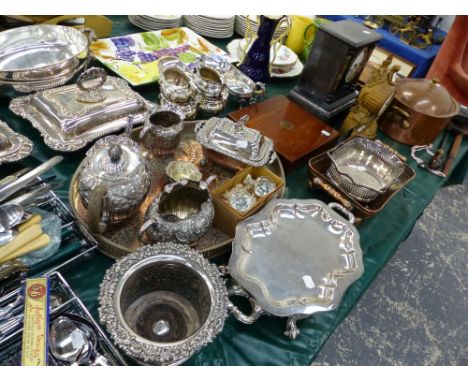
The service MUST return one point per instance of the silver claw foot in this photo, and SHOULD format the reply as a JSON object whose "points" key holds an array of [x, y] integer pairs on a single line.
{"points": [[291, 328]]}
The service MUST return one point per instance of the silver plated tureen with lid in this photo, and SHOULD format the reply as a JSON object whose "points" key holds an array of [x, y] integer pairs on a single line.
{"points": [[70, 117], [113, 181]]}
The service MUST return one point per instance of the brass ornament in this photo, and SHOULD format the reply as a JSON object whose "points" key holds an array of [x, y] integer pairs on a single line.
{"points": [[372, 101]]}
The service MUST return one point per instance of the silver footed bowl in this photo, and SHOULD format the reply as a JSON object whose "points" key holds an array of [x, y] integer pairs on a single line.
{"points": [[182, 213], [39, 57], [163, 303]]}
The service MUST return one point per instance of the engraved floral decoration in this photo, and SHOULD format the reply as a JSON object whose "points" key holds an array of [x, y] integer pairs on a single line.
{"points": [[126, 191], [153, 352]]}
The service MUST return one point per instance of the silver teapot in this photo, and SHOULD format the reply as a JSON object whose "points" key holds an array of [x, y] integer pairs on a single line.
{"points": [[183, 212], [114, 180]]}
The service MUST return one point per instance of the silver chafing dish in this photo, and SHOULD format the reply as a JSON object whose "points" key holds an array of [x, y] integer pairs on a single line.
{"points": [[293, 259], [163, 303], [13, 146], [71, 116], [39, 57], [238, 145]]}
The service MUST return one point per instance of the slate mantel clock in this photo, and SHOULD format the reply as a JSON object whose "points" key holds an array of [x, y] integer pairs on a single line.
{"points": [[339, 53]]}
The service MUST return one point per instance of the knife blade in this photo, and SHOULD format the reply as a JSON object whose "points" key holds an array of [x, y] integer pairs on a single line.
{"points": [[11, 188]]}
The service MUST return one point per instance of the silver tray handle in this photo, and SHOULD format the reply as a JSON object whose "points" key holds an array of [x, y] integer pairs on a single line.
{"points": [[257, 311], [349, 215]]}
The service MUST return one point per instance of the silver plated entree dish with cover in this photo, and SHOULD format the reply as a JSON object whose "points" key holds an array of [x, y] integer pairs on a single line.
{"points": [[72, 116], [235, 142]]}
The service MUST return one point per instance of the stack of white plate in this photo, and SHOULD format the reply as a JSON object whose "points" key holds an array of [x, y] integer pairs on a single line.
{"points": [[152, 23], [240, 25], [211, 26]]}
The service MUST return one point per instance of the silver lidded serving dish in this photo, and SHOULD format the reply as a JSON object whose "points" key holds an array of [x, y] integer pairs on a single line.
{"points": [[72, 116], [13, 146], [364, 168], [114, 181], [39, 57], [294, 258], [162, 303], [238, 145]]}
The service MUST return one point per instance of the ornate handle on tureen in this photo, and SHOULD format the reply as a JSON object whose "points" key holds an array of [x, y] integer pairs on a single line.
{"points": [[257, 311], [90, 84], [349, 215]]}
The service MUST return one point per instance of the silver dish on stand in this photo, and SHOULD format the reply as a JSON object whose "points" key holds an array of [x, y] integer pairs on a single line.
{"points": [[294, 258], [39, 57]]}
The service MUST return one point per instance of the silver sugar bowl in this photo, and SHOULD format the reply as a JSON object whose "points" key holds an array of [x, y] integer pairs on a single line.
{"points": [[183, 212], [113, 182], [163, 303], [209, 82], [175, 80], [162, 129]]}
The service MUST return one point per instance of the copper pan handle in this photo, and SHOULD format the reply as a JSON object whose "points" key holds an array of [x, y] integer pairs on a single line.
{"points": [[404, 116], [333, 193]]}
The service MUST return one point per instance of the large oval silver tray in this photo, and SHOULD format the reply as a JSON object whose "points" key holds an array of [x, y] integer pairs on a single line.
{"points": [[122, 239], [296, 257], [18, 147]]}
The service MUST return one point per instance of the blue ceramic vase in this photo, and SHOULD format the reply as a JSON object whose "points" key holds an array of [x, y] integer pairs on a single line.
{"points": [[257, 61]]}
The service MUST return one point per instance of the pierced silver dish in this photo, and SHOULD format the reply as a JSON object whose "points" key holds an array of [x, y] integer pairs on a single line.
{"points": [[68, 121], [238, 145], [13, 146], [293, 259], [163, 303], [364, 168]]}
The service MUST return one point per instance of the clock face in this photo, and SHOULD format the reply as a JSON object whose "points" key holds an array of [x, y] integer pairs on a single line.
{"points": [[356, 66]]}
